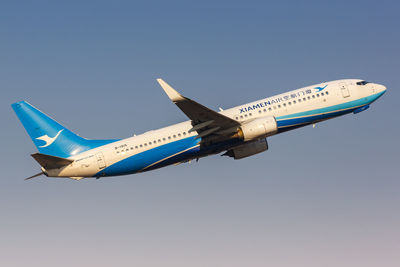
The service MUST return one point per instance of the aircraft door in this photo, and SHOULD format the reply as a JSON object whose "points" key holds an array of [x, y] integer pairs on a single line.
{"points": [[344, 89], [100, 160]]}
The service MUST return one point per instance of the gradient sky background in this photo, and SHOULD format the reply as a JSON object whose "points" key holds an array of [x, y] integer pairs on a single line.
{"points": [[327, 196]]}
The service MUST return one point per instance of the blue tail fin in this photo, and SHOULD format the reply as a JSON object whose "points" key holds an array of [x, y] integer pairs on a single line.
{"points": [[49, 136]]}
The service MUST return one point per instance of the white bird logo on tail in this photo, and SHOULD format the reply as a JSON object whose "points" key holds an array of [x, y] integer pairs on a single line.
{"points": [[49, 140]]}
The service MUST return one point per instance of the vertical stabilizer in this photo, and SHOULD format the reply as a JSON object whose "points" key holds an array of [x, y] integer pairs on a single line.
{"points": [[49, 136]]}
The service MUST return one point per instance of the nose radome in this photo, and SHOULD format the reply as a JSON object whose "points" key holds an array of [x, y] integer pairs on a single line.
{"points": [[378, 88], [381, 88]]}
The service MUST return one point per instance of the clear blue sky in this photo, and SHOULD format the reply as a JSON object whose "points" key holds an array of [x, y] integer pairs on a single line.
{"points": [[327, 196]]}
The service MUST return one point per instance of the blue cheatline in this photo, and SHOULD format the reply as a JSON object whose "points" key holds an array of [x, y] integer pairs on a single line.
{"points": [[324, 113], [347, 105], [300, 121], [49, 136], [153, 158]]}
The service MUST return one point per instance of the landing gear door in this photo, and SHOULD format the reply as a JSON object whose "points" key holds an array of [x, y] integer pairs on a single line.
{"points": [[100, 160], [344, 89]]}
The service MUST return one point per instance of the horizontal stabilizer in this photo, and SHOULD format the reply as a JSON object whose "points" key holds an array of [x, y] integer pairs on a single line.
{"points": [[51, 162], [34, 176]]}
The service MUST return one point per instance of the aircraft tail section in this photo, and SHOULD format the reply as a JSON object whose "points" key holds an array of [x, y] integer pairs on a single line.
{"points": [[50, 137], [51, 162]]}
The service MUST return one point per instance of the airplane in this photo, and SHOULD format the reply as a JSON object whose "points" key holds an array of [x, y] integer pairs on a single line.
{"points": [[239, 132]]}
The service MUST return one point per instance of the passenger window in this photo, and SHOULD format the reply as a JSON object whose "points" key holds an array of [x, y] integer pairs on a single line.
{"points": [[149, 143], [290, 103], [284, 104], [163, 139], [322, 94], [259, 111], [249, 114], [174, 136], [136, 147], [145, 144], [326, 92], [274, 107], [141, 145], [169, 137], [304, 99], [269, 109], [317, 95], [179, 134], [184, 133], [245, 115], [313, 96], [241, 117], [279, 106]]}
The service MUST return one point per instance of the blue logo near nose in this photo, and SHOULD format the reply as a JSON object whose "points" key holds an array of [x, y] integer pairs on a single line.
{"points": [[319, 88]]}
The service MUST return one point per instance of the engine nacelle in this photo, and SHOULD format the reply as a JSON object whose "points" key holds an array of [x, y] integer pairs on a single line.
{"points": [[258, 128], [248, 149]]}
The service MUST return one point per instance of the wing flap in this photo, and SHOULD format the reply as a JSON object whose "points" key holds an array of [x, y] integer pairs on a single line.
{"points": [[207, 132], [200, 126]]}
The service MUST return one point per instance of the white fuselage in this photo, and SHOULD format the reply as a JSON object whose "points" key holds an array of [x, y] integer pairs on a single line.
{"points": [[174, 144]]}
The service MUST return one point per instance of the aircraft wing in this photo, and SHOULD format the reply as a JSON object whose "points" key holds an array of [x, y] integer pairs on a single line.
{"points": [[204, 120]]}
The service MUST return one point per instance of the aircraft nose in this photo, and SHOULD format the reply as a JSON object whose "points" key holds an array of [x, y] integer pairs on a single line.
{"points": [[381, 88]]}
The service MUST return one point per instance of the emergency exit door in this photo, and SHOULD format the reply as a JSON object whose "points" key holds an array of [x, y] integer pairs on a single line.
{"points": [[100, 160], [344, 89]]}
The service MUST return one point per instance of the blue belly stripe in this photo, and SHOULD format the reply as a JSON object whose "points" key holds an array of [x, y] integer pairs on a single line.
{"points": [[146, 159]]}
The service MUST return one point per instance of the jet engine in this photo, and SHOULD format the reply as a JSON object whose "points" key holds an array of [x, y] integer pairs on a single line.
{"points": [[258, 128], [248, 149]]}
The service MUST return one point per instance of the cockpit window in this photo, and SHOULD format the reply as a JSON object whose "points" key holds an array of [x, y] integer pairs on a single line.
{"points": [[362, 83]]}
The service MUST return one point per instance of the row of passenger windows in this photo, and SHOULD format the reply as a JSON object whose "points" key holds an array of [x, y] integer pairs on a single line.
{"points": [[299, 100], [164, 139], [154, 142]]}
